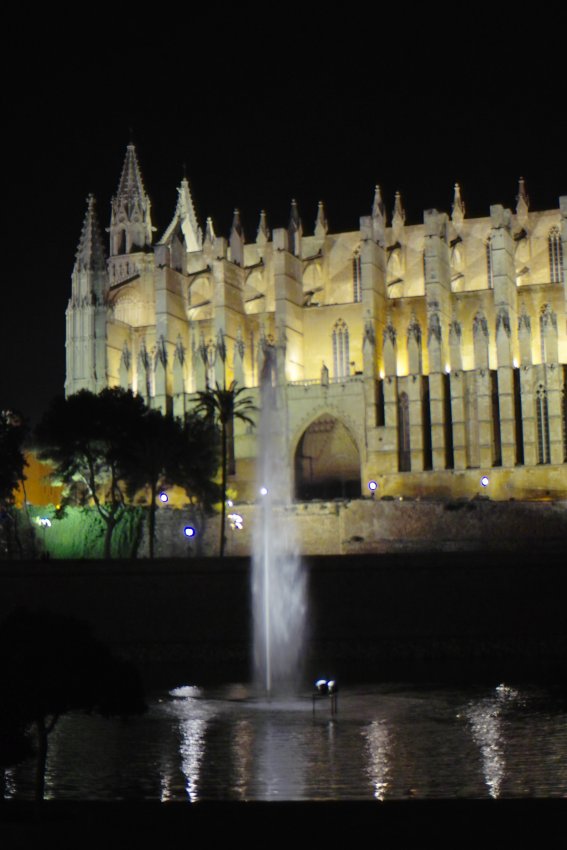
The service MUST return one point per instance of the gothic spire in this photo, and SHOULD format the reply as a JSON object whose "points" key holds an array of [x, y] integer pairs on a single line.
{"points": [[263, 233], [90, 251], [186, 218], [236, 239], [522, 203], [378, 217], [321, 225], [458, 209], [295, 229], [130, 223], [209, 231], [398, 219]]}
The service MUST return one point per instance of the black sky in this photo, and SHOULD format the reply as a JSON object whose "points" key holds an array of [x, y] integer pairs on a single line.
{"points": [[257, 112]]}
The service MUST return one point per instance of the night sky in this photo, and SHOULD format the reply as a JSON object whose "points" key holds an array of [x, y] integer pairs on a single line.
{"points": [[318, 111]]}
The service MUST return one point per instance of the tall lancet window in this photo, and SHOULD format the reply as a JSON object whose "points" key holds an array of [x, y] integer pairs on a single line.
{"points": [[356, 278], [543, 449], [555, 249], [404, 455], [341, 355], [489, 263]]}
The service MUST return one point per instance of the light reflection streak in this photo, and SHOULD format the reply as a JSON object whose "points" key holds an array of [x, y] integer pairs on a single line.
{"points": [[485, 717], [378, 745], [242, 754], [192, 751]]}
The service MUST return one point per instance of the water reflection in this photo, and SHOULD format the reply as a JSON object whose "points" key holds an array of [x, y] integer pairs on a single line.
{"points": [[486, 717], [378, 745], [386, 743]]}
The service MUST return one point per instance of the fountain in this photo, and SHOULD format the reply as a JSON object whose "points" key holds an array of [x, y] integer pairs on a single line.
{"points": [[278, 581]]}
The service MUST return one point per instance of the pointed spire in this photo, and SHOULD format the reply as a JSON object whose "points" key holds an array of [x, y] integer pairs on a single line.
{"points": [[185, 218], [236, 239], [209, 232], [263, 233], [90, 251], [398, 219], [131, 184], [458, 209], [186, 212], [130, 224], [522, 203], [295, 229], [321, 225], [378, 217]]}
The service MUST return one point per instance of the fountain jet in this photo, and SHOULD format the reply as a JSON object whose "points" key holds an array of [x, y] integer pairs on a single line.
{"points": [[278, 580]]}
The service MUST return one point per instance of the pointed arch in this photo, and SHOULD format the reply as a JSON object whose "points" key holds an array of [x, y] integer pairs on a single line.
{"points": [[327, 461]]}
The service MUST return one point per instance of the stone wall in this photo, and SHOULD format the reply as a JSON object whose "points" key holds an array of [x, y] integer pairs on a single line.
{"points": [[367, 526]]}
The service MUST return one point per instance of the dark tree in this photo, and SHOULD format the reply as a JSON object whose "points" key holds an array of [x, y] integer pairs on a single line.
{"points": [[222, 406], [87, 437], [51, 665], [165, 451], [12, 465]]}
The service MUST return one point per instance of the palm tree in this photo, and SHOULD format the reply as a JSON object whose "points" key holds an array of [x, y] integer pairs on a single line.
{"points": [[222, 406]]}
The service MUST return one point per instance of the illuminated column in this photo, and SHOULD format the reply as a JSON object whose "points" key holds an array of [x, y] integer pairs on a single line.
{"points": [[289, 303], [553, 383], [162, 399], [438, 298], [483, 390], [125, 375], [415, 396], [390, 386], [506, 403], [457, 384], [374, 299], [179, 388]]}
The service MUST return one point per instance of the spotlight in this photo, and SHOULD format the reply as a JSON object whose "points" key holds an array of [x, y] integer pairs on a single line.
{"points": [[189, 531], [485, 481], [263, 491], [372, 486], [163, 497], [236, 522]]}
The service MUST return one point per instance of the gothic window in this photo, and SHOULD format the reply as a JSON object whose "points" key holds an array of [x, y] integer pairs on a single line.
{"points": [[341, 349], [543, 448], [356, 278], [404, 455], [489, 264], [555, 249]]}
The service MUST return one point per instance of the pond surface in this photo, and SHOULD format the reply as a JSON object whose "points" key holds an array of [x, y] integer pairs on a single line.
{"points": [[388, 742]]}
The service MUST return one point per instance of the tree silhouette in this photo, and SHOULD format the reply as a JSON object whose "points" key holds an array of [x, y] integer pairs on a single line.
{"points": [[50, 665], [86, 437], [165, 451], [222, 406], [12, 465]]}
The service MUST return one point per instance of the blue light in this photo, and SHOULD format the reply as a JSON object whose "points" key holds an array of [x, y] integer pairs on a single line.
{"points": [[485, 481], [189, 531], [372, 486], [163, 497]]}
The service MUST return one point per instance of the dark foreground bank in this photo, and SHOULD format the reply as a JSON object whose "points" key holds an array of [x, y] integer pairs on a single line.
{"points": [[450, 823]]}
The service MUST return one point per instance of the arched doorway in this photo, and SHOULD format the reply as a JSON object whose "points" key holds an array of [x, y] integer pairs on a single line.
{"points": [[327, 462]]}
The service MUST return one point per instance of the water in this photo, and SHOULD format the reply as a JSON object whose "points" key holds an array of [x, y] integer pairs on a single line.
{"points": [[385, 743], [278, 582]]}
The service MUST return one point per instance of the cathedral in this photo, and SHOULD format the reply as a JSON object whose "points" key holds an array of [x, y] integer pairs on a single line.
{"points": [[421, 360]]}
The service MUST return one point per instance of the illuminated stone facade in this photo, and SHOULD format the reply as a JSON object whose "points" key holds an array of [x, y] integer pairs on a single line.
{"points": [[418, 356]]}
